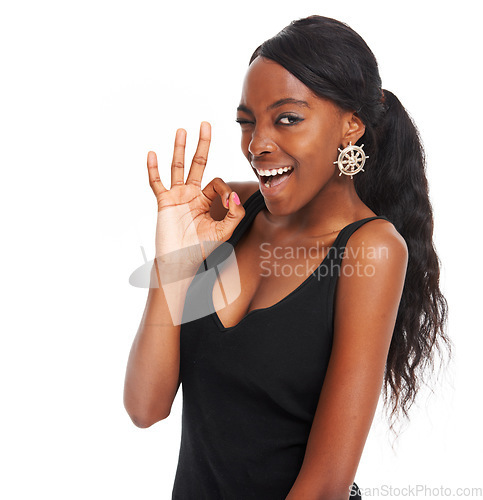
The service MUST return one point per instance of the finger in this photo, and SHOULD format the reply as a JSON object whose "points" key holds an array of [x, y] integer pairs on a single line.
{"points": [[233, 217], [154, 180], [201, 156], [217, 188], [177, 166]]}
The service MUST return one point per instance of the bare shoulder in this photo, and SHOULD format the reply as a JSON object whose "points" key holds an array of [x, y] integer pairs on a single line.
{"points": [[381, 236], [244, 191], [374, 267]]}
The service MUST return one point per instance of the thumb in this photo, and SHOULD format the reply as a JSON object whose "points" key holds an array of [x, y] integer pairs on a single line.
{"points": [[233, 217]]}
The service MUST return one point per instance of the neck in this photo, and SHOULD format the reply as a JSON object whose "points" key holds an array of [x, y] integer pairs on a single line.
{"points": [[332, 208]]}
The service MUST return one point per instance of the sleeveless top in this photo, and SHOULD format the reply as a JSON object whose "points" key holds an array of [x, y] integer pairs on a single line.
{"points": [[250, 391]]}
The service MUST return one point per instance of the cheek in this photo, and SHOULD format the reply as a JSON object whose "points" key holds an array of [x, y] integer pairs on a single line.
{"points": [[311, 149], [315, 148], [315, 153]]}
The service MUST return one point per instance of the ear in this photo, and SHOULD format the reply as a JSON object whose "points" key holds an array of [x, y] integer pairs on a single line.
{"points": [[353, 128]]}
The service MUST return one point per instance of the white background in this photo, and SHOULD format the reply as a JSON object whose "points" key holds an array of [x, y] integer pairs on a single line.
{"points": [[87, 89]]}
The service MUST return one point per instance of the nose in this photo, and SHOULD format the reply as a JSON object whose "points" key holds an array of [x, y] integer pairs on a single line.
{"points": [[261, 143]]}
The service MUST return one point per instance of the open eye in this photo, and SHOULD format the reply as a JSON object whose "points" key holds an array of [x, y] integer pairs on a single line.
{"points": [[289, 119]]}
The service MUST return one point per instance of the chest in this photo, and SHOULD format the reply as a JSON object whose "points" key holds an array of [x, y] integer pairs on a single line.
{"points": [[261, 273]]}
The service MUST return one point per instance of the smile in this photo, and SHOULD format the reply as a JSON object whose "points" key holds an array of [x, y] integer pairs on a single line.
{"points": [[274, 171], [272, 180]]}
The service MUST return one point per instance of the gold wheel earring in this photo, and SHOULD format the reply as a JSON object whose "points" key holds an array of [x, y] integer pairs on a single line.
{"points": [[351, 160]]}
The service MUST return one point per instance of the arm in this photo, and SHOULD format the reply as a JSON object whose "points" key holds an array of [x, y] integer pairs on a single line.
{"points": [[365, 311], [152, 375]]}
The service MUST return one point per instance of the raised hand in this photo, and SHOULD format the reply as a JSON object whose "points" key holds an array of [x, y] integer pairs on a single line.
{"points": [[186, 233]]}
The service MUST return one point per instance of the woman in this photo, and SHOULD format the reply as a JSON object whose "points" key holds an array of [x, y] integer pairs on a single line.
{"points": [[281, 377]]}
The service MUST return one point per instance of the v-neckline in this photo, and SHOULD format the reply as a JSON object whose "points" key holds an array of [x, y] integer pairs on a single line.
{"points": [[223, 328], [260, 310]]}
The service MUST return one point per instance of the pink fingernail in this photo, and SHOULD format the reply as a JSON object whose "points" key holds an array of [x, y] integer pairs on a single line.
{"points": [[236, 199]]}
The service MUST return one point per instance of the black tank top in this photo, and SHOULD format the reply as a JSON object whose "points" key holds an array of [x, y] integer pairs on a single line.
{"points": [[250, 391]]}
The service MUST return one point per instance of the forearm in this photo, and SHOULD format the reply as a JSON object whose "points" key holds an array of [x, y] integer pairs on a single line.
{"points": [[308, 493], [152, 374], [315, 486]]}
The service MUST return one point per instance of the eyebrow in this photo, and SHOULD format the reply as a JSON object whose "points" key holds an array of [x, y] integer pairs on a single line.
{"points": [[277, 104]]}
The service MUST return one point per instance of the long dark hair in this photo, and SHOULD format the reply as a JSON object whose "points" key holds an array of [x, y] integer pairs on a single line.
{"points": [[334, 62]]}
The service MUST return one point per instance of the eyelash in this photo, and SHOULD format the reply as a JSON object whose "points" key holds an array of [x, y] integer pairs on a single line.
{"points": [[296, 119], [292, 117]]}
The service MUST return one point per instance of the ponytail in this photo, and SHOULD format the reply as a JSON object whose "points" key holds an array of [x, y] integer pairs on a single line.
{"points": [[396, 186]]}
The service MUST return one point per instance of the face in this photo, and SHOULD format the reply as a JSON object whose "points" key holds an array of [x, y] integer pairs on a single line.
{"points": [[283, 124]]}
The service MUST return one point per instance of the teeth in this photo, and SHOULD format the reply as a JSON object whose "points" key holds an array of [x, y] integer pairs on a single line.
{"points": [[274, 171]]}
